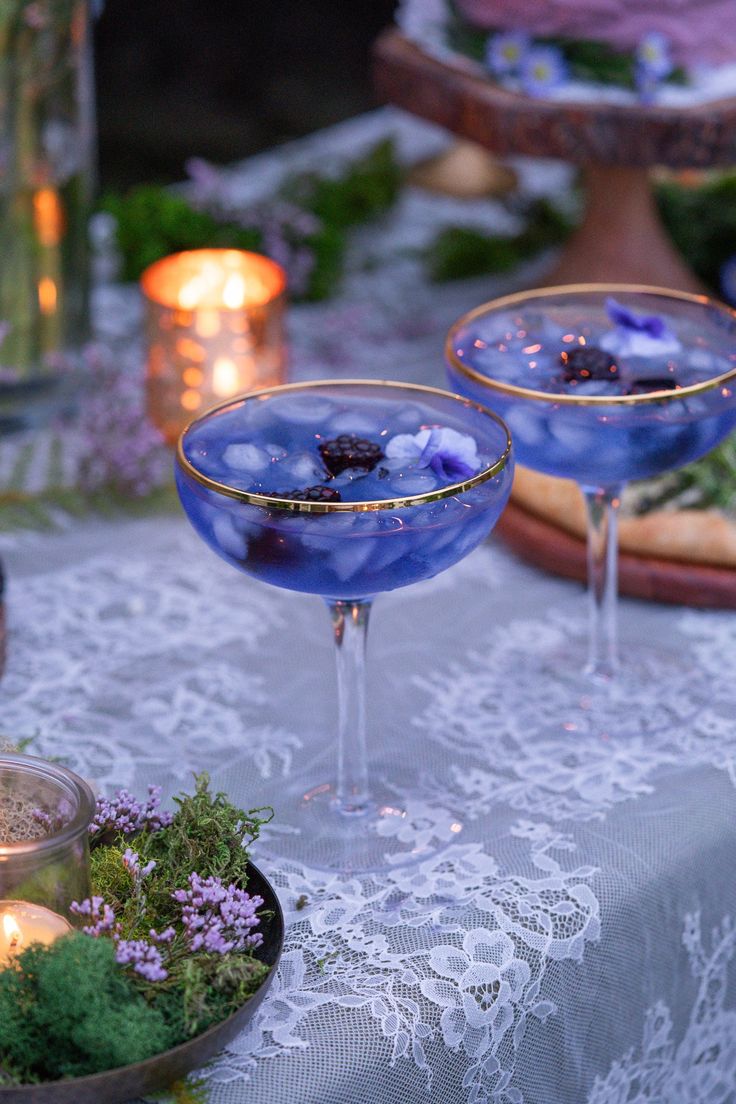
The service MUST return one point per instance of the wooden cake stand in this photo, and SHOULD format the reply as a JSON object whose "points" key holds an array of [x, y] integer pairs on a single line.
{"points": [[620, 240], [621, 237]]}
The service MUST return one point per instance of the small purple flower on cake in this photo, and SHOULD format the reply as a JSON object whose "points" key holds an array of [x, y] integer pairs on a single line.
{"points": [[451, 455], [653, 65], [653, 55], [637, 335], [505, 51], [543, 69]]}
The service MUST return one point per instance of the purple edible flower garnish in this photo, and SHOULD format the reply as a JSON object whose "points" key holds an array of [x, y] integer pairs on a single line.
{"points": [[145, 959], [620, 315], [635, 335], [217, 918], [452, 456], [125, 814]]}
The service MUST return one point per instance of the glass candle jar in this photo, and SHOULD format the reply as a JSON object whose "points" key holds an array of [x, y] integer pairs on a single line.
{"points": [[45, 812], [214, 329]]}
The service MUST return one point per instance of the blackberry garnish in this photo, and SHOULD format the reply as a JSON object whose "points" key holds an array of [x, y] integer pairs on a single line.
{"points": [[349, 451], [587, 362], [659, 383], [317, 493]]}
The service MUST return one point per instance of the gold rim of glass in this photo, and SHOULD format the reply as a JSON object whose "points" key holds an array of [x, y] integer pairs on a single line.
{"points": [[296, 506], [585, 400]]}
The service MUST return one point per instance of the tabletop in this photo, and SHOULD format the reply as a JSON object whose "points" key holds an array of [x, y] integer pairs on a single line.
{"points": [[574, 942]]}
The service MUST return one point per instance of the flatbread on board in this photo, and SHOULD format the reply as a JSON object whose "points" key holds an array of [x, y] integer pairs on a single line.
{"points": [[687, 536]]}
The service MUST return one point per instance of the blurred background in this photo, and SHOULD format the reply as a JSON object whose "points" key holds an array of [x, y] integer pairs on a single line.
{"points": [[220, 79]]}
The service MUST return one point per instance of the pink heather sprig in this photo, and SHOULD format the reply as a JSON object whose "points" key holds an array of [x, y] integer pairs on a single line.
{"points": [[101, 914], [120, 448], [217, 918], [125, 814], [285, 227]]}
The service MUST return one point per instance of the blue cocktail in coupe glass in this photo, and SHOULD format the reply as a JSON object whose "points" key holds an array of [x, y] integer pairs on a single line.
{"points": [[602, 385], [345, 490]]}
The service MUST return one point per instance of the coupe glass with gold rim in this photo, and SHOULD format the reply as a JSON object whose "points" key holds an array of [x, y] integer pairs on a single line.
{"points": [[602, 384], [345, 490]]}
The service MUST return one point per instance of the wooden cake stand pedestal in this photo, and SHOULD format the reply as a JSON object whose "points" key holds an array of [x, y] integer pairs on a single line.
{"points": [[620, 240], [621, 237]]}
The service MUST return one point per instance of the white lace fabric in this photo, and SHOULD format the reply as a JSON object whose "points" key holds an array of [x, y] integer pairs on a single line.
{"points": [[573, 944]]}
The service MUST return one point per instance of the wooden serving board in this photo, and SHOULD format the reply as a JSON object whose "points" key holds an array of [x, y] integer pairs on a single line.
{"points": [[545, 545]]}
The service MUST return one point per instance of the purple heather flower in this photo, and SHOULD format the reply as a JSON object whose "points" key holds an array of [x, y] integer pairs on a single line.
{"points": [[505, 52], [132, 862], [121, 448], [451, 455], [100, 913], [145, 959], [53, 822], [217, 918], [543, 68], [637, 334], [728, 279], [124, 813], [166, 936]]}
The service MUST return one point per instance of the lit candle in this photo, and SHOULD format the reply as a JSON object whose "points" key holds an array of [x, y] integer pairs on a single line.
{"points": [[214, 322], [22, 924]]}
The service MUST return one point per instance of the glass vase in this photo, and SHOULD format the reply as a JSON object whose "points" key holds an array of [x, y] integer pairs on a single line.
{"points": [[46, 186]]}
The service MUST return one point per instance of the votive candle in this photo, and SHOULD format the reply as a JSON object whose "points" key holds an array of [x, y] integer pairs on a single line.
{"points": [[23, 923], [214, 329]]}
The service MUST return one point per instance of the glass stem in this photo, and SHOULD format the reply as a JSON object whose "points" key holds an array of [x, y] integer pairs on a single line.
{"points": [[350, 629], [602, 511]]}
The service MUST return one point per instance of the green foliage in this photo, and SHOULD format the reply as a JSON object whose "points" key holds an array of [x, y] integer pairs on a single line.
{"points": [[459, 252], [68, 1009], [702, 223], [152, 222], [367, 188], [710, 482]]}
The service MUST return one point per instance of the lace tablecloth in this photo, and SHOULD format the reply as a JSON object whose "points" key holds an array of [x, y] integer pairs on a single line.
{"points": [[574, 943]]}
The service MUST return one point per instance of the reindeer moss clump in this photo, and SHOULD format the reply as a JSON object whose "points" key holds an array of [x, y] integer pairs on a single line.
{"points": [[68, 1009]]}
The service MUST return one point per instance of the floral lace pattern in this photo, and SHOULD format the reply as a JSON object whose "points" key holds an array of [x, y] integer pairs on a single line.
{"points": [[702, 1066], [444, 971]]}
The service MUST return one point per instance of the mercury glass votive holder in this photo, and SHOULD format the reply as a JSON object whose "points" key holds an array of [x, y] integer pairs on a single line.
{"points": [[214, 324], [45, 813]]}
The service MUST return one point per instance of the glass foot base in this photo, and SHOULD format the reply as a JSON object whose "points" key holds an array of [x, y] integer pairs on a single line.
{"points": [[388, 831]]}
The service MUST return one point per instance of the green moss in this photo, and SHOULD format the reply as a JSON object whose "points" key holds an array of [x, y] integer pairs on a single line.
{"points": [[68, 1010]]}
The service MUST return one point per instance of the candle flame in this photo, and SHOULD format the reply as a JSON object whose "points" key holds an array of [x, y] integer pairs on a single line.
{"points": [[48, 215], [47, 295], [12, 932], [233, 293], [224, 377]]}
